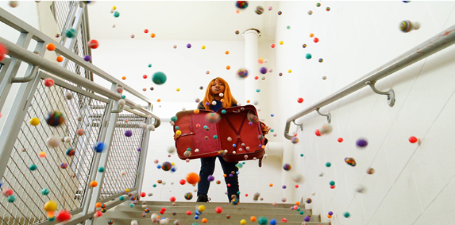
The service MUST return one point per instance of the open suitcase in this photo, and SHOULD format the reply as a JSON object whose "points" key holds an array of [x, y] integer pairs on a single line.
{"points": [[234, 132]]}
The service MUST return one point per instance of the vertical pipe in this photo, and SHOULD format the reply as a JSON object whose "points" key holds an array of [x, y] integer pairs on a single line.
{"points": [[251, 56]]}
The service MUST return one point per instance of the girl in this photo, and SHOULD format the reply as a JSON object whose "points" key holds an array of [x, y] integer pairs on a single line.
{"points": [[218, 90]]}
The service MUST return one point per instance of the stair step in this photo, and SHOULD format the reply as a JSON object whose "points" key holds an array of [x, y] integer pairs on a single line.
{"points": [[146, 221], [115, 214], [216, 204]]}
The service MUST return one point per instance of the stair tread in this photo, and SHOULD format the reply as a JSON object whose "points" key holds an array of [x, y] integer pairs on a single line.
{"points": [[146, 221]]}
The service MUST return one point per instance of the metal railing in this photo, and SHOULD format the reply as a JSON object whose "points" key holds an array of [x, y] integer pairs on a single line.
{"points": [[91, 107], [440, 41]]}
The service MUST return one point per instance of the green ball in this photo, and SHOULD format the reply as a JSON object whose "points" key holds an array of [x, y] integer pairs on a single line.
{"points": [[347, 215], [154, 185], [101, 169], [243, 163], [11, 198], [116, 14], [121, 198], [301, 212], [70, 33], [271, 130], [51, 219], [159, 78], [45, 191], [332, 183], [262, 220], [33, 167], [238, 192], [301, 155], [223, 111], [131, 205], [174, 118], [177, 127], [215, 136], [328, 164], [150, 65], [257, 90], [308, 56], [298, 209], [123, 96]]}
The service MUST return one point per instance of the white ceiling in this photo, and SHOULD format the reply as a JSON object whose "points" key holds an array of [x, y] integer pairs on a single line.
{"points": [[176, 20]]}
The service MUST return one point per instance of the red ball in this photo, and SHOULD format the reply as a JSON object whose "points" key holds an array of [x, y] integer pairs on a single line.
{"points": [[316, 40], [273, 45], [163, 209], [48, 82], [146, 31], [300, 100], [295, 135], [256, 77], [63, 215], [218, 210], [246, 195], [296, 186], [182, 181], [188, 212], [161, 212], [340, 140], [172, 199], [229, 185], [98, 214], [413, 139], [3, 52], [333, 187], [145, 76], [318, 133], [284, 220], [93, 44], [142, 194]]}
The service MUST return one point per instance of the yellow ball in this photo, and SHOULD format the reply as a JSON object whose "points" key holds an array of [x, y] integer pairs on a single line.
{"points": [[178, 89], [202, 208], [114, 7], [51, 206], [281, 42], [127, 190], [34, 121], [243, 222], [172, 163], [289, 71], [178, 132], [203, 47]]}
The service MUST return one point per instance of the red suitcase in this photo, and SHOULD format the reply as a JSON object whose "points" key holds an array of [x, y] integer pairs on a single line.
{"points": [[234, 127]]}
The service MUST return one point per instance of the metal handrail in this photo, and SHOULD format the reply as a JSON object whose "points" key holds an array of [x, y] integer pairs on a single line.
{"points": [[22, 26], [440, 41]]}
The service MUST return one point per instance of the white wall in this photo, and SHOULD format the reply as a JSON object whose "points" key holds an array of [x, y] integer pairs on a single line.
{"points": [[412, 184]]}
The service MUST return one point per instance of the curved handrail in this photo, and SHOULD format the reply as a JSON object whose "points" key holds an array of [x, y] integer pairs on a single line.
{"points": [[440, 41]]}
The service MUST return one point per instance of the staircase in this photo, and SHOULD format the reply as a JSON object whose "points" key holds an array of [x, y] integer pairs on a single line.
{"points": [[123, 214]]}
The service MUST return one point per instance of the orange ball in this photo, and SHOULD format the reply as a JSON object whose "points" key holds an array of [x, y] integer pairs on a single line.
{"points": [[196, 111], [329, 216], [123, 78], [192, 178], [271, 185], [311, 35], [227, 52], [247, 101], [204, 220], [253, 219], [59, 59], [153, 35], [98, 205], [93, 184], [297, 203], [228, 67], [158, 100], [50, 214], [50, 47], [224, 175]]}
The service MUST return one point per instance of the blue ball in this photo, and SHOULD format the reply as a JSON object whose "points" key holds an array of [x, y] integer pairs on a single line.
{"points": [[158, 166], [173, 169], [99, 147], [272, 115], [196, 217], [273, 222]]}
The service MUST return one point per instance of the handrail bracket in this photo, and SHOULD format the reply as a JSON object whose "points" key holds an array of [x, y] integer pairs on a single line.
{"points": [[328, 115], [390, 93], [299, 125]]}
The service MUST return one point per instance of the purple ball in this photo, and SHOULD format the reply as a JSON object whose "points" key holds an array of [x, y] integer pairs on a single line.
{"points": [[284, 186], [139, 149], [330, 213], [210, 178], [188, 45], [128, 133], [362, 143], [307, 219], [231, 175], [263, 70], [87, 58]]}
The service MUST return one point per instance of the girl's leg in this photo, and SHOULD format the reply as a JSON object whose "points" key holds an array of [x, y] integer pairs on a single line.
{"points": [[228, 168], [207, 168]]}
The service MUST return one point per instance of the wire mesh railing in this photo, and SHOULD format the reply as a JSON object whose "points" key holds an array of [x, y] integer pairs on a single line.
{"points": [[123, 160], [64, 170]]}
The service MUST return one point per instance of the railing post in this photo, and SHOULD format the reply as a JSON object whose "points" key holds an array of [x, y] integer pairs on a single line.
{"points": [[143, 156], [103, 157]]}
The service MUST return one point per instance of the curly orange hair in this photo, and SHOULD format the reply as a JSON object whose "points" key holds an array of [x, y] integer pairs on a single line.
{"points": [[228, 98]]}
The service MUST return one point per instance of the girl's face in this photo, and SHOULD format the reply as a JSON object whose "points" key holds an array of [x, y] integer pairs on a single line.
{"points": [[217, 88]]}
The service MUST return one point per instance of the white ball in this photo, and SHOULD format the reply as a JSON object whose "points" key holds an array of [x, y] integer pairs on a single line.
{"points": [[143, 125], [151, 127], [265, 156], [134, 222], [416, 25], [265, 60], [13, 4], [171, 150], [121, 102], [256, 102], [123, 173], [326, 129], [183, 109], [297, 177], [234, 152], [164, 221], [69, 95], [196, 150], [113, 26], [67, 139], [313, 193], [221, 94], [53, 141], [214, 103]]}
